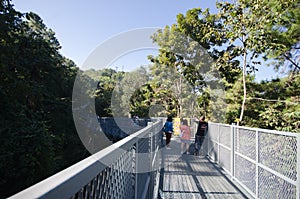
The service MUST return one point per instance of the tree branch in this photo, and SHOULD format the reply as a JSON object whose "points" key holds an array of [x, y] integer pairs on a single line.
{"points": [[288, 58], [272, 100]]}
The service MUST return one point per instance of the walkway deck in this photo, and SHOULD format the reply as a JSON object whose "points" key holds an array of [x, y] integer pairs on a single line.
{"points": [[189, 176]]}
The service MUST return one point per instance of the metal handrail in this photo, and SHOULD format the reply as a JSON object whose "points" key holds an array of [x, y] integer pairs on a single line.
{"points": [[266, 163], [248, 155], [92, 176]]}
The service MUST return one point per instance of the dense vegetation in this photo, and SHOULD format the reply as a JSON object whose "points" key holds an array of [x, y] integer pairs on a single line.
{"points": [[240, 38], [37, 132]]}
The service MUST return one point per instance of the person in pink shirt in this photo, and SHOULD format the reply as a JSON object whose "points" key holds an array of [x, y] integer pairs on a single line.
{"points": [[185, 136]]}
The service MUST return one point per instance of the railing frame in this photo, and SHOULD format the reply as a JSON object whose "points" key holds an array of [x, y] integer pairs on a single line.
{"points": [[69, 182], [75, 181], [233, 132]]}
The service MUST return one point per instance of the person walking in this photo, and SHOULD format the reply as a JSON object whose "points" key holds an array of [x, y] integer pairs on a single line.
{"points": [[185, 137], [168, 129], [200, 134]]}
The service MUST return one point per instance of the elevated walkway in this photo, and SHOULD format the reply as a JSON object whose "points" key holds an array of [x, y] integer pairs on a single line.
{"points": [[236, 162]]}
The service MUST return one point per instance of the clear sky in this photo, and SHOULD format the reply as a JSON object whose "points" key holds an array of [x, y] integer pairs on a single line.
{"points": [[81, 26]]}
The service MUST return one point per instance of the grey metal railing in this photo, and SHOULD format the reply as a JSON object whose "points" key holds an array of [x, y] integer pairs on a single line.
{"points": [[127, 169], [265, 163]]}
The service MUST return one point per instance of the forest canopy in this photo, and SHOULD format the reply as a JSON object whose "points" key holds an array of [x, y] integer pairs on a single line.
{"points": [[37, 132]]}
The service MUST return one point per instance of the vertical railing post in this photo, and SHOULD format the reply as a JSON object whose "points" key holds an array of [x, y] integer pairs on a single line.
{"points": [[210, 143], [151, 155], [218, 154], [256, 163], [232, 150], [136, 172], [298, 167], [205, 143], [208, 139]]}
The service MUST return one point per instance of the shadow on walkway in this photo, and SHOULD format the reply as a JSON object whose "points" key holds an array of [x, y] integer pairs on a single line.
{"points": [[189, 176]]}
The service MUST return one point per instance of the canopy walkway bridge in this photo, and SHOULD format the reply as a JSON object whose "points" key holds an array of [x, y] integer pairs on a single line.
{"points": [[234, 162]]}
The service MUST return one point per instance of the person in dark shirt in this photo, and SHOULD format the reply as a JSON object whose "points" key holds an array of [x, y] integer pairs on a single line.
{"points": [[200, 134], [168, 129]]}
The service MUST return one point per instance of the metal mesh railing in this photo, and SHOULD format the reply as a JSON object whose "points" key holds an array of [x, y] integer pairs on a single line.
{"points": [[245, 142], [266, 163], [278, 152], [113, 181], [245, 172], [126, 169]]}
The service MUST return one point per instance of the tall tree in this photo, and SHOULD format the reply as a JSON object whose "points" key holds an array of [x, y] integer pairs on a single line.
{"points": [[257, 28], [181, 65], [206, 29], [241, 33]]}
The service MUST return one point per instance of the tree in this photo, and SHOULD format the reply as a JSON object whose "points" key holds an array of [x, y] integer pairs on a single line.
{"points": [[248, 27], [283, 24], [180, 66], [243, 32], [107, 80], [207, 30], [124, 89]]}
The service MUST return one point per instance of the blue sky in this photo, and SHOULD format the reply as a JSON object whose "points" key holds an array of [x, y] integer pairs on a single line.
{"points": [[81, 26]]}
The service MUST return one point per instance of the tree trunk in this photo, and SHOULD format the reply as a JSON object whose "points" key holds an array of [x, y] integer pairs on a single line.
{"points": [[244, 86]]}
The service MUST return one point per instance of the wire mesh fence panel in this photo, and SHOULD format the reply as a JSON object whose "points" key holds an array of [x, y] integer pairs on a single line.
{"points": [[211, 139], [263, 160], [213, 150], [225, 158], [279, 152], [116, 181], [225, 135], [245, 142], [245, 172], [213, 131], [272, 186], [143, 165], [224, 148]]}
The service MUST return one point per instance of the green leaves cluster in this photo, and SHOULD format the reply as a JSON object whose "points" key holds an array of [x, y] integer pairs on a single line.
{"points": [[284, 113]]}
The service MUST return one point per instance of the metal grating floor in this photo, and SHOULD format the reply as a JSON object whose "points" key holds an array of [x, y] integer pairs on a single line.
{"points": [[189, 176]]}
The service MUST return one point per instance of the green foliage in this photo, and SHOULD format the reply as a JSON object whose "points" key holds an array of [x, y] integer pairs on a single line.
{"points": [[237, 38], [283, 24], [107, 80], [207, 30], [152, 95], [141, 100], [283, 112], [37, 132], [180, 68], [270, 104]]}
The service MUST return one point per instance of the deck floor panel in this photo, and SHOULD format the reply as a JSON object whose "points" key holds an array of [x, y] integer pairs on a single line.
{"points": [[189, 176]]}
